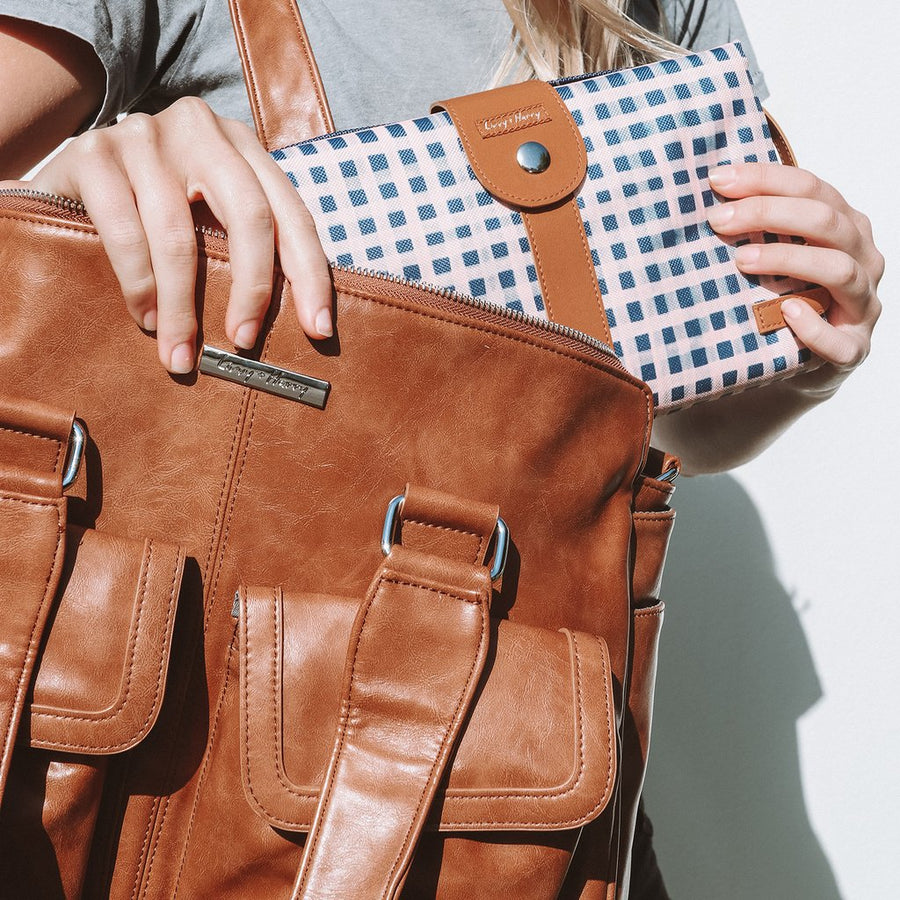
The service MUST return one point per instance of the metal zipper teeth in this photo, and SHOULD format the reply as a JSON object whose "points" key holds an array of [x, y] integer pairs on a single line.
{"points": [[76, 207], [486, 306], [66, 204]]}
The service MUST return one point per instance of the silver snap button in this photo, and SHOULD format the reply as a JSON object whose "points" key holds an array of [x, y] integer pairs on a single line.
{"points": [[533, 157]]}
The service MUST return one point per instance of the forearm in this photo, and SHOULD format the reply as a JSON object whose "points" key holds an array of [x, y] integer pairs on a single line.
{"points": [[50, 83], [717, 436]]}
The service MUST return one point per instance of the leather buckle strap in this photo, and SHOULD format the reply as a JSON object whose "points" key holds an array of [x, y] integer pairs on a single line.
{"points": [[33, 442], [416, 655]]}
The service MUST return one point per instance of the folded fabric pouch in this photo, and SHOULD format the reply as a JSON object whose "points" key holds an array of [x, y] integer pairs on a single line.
{"points": [[404, 200]]}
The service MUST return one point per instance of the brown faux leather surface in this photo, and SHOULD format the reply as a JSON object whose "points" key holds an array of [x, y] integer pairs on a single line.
{"points": [[492, 125], [554, 434], [258, 490], [512, 771], [32, 524], [415, 656], [768, 312], [565, 270], [530, 111], [283, 83], [103, 667]]}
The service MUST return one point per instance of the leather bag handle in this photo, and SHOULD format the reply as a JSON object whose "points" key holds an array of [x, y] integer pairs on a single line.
{"points": [[415, 657], [283, 82]]}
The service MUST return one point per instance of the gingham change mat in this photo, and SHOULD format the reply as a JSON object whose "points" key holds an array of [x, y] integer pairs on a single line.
{"points": [[402, 199]]}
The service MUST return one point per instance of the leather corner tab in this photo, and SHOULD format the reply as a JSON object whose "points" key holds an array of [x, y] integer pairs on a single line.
{"points": [[493, 125], [768, 312]]}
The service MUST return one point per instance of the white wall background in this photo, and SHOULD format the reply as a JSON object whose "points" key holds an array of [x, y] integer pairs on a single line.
{"points": [[777, 736]]}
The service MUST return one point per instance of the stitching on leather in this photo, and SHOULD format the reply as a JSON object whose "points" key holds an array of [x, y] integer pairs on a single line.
{"points": [[39, 219], [567, 187], [479, 552], [40, 437], [551, 794], [662, 515], [592, 275], [192, 661], [223, 543], [538, 261], [131, 739], [206, 764], [8, 735], [454, 725], [313, 839], [144, 844], [648, 613], [251, 75], [606, 790], [307, 58]]}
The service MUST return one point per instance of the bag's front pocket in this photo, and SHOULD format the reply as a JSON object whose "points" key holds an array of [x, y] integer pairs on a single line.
{"points": [[98, 688], [535, 762]]}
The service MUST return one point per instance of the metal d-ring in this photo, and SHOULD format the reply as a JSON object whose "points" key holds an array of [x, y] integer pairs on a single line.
{"points": [[76, 454], [501, 546]]}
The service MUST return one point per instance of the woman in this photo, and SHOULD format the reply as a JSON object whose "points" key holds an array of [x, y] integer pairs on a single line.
{"points": [[166, 160]]}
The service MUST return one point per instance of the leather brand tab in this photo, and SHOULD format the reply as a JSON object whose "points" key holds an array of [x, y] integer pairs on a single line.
{"points": [[515, 120]]}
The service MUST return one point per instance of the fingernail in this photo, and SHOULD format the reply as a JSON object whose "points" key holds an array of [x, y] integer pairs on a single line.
{"points": [[323, 323], [791, 309], [721, 215], [245, 336], [149, 322], [722, 176], [182, 360], [748, 254]]}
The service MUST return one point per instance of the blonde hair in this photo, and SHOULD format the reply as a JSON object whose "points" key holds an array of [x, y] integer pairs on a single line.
{"points": [[555, 38]]}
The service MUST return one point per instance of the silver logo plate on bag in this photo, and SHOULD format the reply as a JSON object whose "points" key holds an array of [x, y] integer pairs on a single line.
{"points": [[264, 377]]}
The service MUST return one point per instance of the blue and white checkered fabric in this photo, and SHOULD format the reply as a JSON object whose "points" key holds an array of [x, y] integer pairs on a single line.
{"points": [[403, 200]]}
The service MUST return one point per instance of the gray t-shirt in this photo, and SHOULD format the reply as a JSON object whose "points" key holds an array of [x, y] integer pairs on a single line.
{"points": [[380, 60]]}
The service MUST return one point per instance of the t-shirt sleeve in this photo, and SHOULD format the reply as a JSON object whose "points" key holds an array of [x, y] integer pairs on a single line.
{"points": [[701, 24], [150, 51]]}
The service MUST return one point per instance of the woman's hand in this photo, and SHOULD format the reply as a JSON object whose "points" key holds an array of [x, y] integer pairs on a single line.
{"points": [[840, 254], [137, 179]]}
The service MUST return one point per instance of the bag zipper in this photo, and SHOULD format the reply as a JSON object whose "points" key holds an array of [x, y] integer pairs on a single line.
{"points": [[74, 210]]}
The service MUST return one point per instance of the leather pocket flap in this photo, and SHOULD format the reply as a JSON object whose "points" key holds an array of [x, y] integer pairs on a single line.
{"points": [[537, 753], [101, 674]]}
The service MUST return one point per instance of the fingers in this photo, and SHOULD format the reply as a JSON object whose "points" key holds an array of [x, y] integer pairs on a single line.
{"points": [[302, 259], [97, 177], [847, 281], [844, 348], [814, 220], [840, 254], [137, 180]]}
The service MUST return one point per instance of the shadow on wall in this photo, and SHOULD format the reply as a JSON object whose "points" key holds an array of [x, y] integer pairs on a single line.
{"points": [[724, 784]]}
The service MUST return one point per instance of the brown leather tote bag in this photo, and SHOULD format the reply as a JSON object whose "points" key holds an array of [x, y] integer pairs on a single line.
{"points": [[231, 667]]}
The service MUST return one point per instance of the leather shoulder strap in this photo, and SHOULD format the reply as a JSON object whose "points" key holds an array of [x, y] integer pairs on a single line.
{"points": [[283, 81]]}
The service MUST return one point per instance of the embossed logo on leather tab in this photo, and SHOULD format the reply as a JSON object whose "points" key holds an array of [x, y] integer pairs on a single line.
{"points": [[516, 120], [264, 377]]}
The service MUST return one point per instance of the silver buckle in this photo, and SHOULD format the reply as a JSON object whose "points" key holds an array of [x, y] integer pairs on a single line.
{"points": [[76, 454], [501, 547]]}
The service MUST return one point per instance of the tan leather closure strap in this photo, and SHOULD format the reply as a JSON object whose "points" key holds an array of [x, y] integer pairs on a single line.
{"points": [[32, 523], [493, 127], [768, 312], [283, 82], [416, 654], [785, 152], [565, 269]]}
